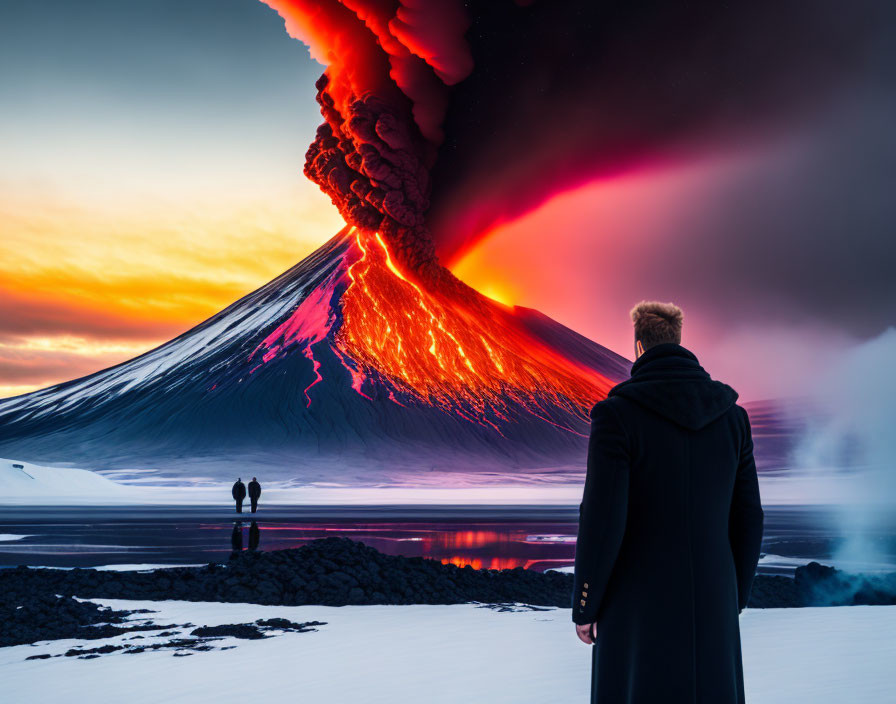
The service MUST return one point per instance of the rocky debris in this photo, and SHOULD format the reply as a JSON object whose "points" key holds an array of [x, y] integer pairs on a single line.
{"points": [[102, 650], [176, 643], [329, 572], [774, 591], [36, 604], [234, 630], [512, 608], [43, 615], [282, 624], [821, 585], [199, 642]]}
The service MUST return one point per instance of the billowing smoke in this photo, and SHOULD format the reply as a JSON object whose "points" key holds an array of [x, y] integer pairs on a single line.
{"points": [[383, 98], [851, 444], [443, 117], [566, 91]]}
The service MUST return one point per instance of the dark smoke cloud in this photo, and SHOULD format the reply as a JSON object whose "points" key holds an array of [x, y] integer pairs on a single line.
{"points": [[444, 118], [383, 97], [569, 90]]}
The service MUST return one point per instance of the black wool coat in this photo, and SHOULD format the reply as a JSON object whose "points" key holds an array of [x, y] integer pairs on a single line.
{"points": [[239, 491], [254, 490], [670, 528]]}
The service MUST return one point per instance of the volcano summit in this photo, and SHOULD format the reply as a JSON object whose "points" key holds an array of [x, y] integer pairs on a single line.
{"points": [[345, 368]]}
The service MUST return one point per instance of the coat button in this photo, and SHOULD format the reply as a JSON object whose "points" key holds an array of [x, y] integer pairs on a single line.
{"points": [[584, 593], [582, 602], [585, 585]]}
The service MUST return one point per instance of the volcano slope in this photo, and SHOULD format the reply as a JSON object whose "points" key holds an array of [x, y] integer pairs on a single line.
{"points": [[347, 369]]}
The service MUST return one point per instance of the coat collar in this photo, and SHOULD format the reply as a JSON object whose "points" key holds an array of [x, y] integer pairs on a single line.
{"points": [[668, 380], [668, 354]]}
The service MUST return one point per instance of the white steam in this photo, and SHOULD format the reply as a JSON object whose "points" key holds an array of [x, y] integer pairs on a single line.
{"points": [[853, 440]]}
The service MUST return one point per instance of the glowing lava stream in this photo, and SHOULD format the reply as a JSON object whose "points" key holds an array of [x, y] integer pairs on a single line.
{"points": [[443, 345], [451, 348]]}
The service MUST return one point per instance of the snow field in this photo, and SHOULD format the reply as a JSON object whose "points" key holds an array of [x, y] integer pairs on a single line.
{"points": [[441, 654]]}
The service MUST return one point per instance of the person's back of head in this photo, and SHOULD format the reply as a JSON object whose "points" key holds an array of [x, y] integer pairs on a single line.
{"points": [[655, 324]]}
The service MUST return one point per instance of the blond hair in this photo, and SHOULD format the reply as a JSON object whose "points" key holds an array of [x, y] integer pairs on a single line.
{"points": [[656, 323]]}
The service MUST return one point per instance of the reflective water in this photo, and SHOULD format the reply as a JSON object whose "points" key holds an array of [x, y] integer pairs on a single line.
{"points": [[484, 537]]}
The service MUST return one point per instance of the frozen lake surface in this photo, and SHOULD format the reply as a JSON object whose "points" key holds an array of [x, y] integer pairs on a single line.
{"points": [[536, 537]]}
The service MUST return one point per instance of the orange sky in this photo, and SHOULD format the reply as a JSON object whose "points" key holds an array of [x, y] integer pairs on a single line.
{"points": [[87, 285]]}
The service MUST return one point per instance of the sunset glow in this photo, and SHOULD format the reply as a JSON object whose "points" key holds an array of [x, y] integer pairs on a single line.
{"points": [[85, 287]]}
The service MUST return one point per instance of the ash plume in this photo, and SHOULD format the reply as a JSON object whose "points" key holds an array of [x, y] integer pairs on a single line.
{"points": [[445, 118], [383, 97], [564, 92]]}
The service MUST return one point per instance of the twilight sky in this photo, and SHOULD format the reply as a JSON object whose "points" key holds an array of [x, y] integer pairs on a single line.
{"points": [[152, 174]]}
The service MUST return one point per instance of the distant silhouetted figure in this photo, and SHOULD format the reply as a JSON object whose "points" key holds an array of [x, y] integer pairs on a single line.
{"points": [[236, 538], [254, 536], [254, 493], [239, 493], [670, 527]]}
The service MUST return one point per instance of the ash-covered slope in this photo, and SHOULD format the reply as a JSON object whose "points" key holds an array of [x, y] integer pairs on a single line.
{"points": [[339, 370]]}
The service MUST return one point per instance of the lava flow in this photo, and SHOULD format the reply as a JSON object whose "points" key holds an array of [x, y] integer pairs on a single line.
{"points": [[452, 348], [435, 342], [405, 329]]}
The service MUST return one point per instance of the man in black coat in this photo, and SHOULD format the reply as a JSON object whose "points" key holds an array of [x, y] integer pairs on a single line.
{"points": [[254, 493], [239, 493], [670, 528]]}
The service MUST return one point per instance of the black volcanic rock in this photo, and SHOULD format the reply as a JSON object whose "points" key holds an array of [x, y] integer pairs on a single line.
{"points": [[821, 585], [330, 571], [234, 630], [31, 616], [338, 572], [774, 592]]}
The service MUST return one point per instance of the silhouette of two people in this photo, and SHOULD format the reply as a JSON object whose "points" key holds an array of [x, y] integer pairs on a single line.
{"points": [[239, 494], [236, 538]]}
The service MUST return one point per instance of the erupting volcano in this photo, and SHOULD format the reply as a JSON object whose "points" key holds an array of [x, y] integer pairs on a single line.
{"points": [[452, 349], [369, 361], [347, 368]]}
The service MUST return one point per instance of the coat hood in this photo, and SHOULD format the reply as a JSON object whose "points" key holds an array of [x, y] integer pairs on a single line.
{"points": [[668, 380]]}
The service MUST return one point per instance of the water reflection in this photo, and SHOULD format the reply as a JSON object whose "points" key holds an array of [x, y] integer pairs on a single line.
{"points": [[74, 537], [254, 536], [502, 546], [236, 539]]}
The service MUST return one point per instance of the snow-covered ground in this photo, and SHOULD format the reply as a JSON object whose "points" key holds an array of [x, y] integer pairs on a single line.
{"points": [[27, 483], [436, 654]]}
